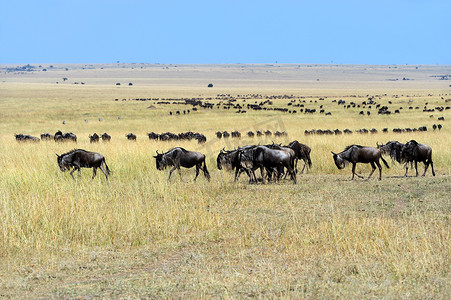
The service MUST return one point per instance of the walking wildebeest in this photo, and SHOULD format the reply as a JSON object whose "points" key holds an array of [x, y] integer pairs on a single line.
{"points": [[94, 138], [179, 157], [265, 158], [301, 152], [287, 150], [79, 158], [230, 159], [359, 154], [414, 152], [411, 152]]}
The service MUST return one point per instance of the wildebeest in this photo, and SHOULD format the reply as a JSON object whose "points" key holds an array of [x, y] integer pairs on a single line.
{"points": [[68, 136], [359, 154], [414, 152], [231, 160], [301, 151], [79, 158], [106, 137], [179, 157], [236, 134], [131, 136], [411, 152], [271, 160], [94, 138], [26, 138], [46, 137], [394, 149]]}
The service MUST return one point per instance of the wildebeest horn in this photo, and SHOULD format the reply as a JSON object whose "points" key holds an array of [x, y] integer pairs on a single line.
{"points": [[57, 154], [157, 152], [333, 153]]}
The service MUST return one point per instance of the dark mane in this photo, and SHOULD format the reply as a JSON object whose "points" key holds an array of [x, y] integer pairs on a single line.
{"points": [[183, 149], [350, 146], [72, 151]]}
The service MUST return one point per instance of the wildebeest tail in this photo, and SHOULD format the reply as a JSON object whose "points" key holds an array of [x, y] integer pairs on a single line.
{"points": [[106, 166], [385, 163], [204, 169], [306, 154], [309, 161]]}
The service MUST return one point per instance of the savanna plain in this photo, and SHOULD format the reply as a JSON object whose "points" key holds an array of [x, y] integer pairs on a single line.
{"points": [[140, 235]]}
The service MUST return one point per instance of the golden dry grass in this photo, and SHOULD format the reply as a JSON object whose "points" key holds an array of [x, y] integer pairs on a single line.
{"points": [[140, 236]]}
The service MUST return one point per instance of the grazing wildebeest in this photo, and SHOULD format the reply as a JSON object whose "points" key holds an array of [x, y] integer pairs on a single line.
{"points": [[301, 151], [359, 154], [79, 158], [219, 134], [414, 152], [94, 138], [131, 136], [46, 136], [106, 137], [179, 157], [26, 138]]}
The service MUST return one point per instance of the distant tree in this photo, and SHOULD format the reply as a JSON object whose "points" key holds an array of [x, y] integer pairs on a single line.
{"points": [[64, 78], [210, 85], [130, 83]]}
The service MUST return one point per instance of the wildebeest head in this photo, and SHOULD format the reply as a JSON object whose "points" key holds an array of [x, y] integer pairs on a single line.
{"points": [[223, 160], [62, 163], [161, 161], [339, 162]]}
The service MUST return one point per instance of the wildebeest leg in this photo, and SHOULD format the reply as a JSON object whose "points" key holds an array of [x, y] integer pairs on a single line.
{"points": [[373, 169], [353, 171], [380, 169], [197, 171], [237, 173], [72, 172], [104, 171], [416, 168], [263, 175], [407, 168], [292, 173], [432, 167], [303, 168], [172, 170], [94, 172]]}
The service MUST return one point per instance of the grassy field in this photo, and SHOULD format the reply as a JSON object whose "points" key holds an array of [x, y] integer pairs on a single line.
{"points": [[142, 236]]}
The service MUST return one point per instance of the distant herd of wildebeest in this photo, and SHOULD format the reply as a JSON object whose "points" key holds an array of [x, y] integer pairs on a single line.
{"points": [[275, 161]]}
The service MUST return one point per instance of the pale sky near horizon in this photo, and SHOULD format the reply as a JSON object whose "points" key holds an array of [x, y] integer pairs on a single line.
{"points": [[339, 32]]}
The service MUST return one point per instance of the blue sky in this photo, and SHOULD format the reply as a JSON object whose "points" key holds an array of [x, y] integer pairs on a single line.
{"points": [[340, 32]]}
